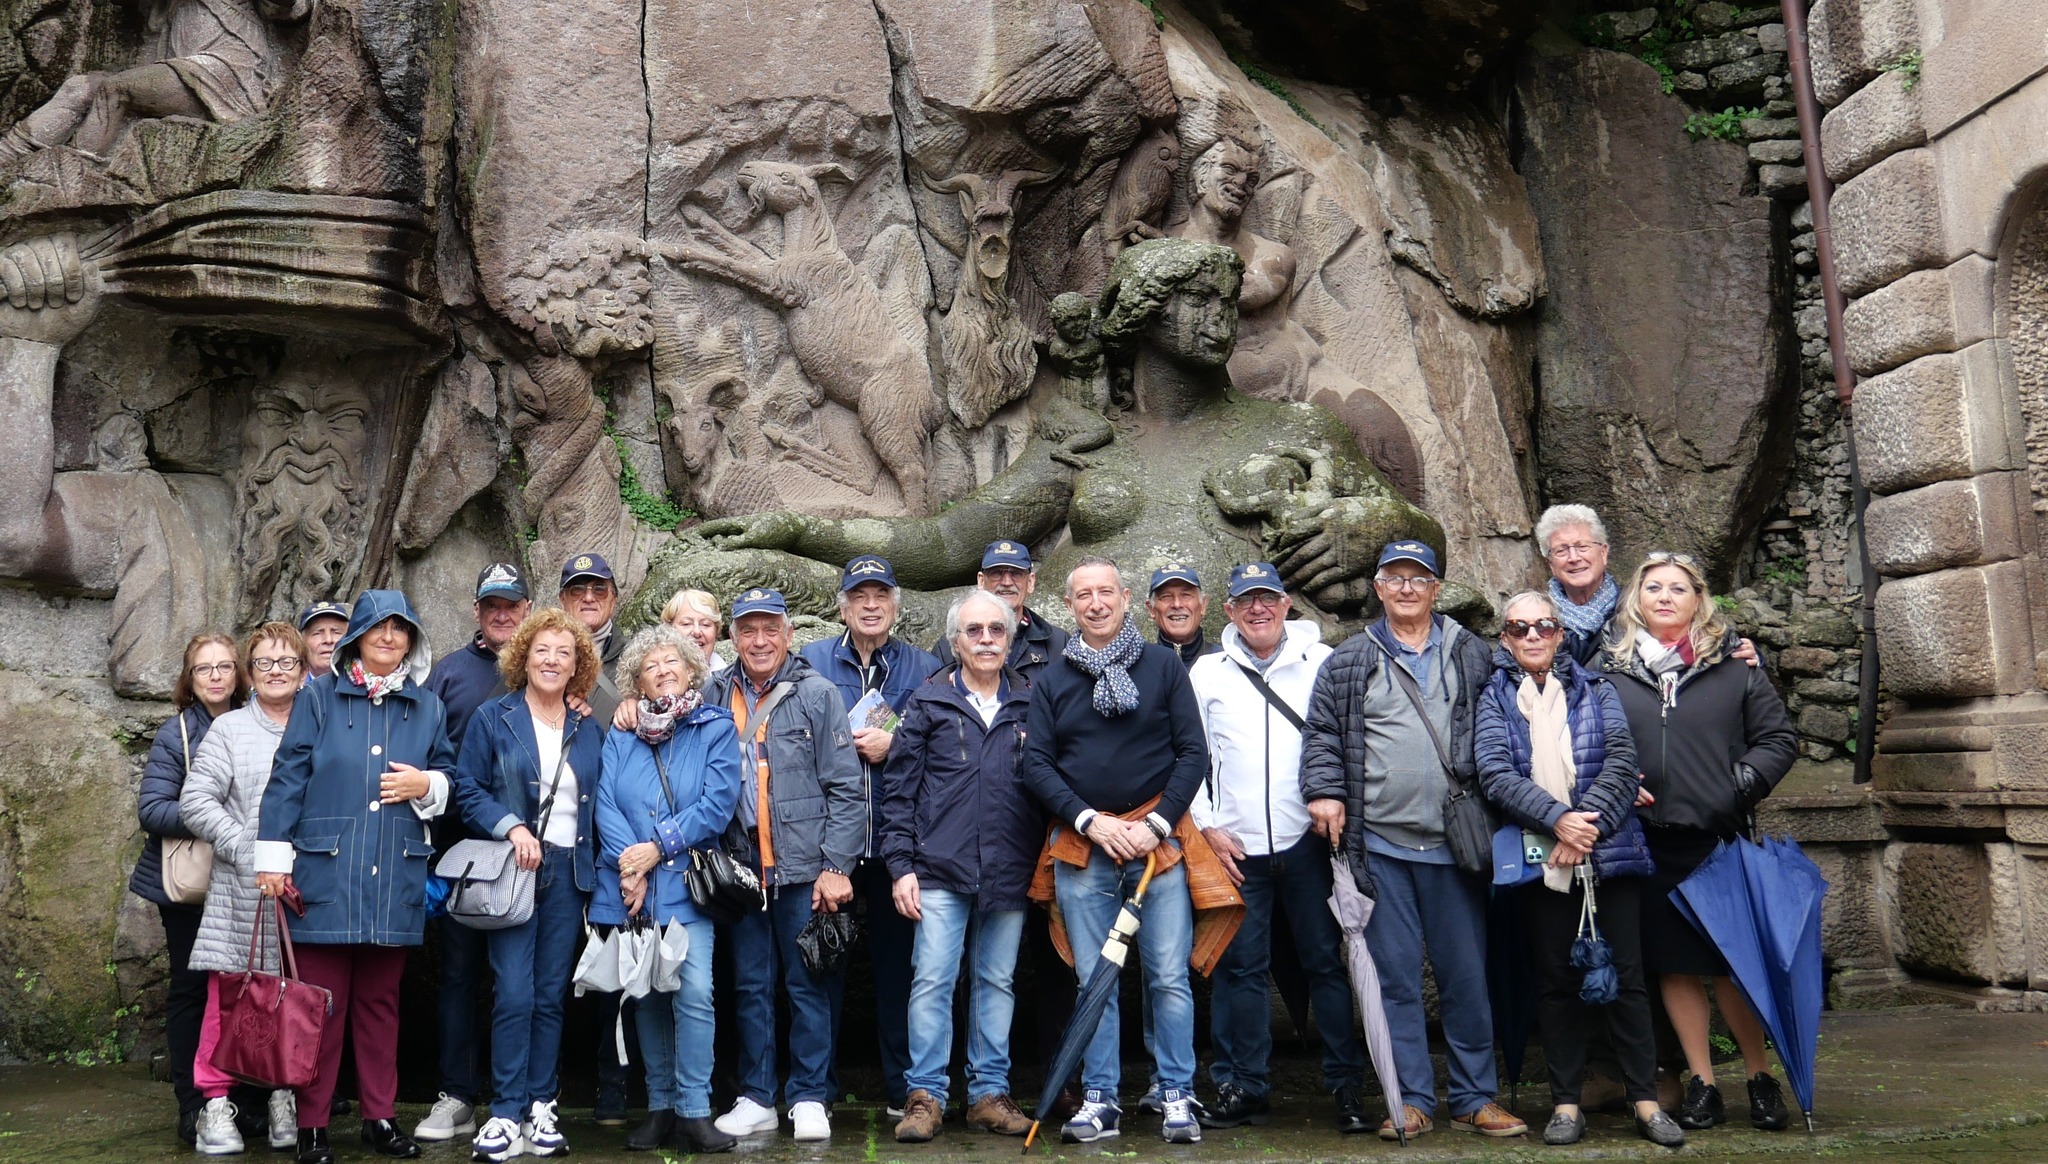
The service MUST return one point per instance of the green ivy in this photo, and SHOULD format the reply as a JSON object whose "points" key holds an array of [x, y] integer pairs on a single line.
{"points": [[659, 512], [1158, 17], [1907, 64], [1276, 87], [1725, 125]]}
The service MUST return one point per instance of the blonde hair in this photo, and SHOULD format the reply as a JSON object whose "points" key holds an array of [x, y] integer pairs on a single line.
{"points": [[700, 601], [1709, 628], [512, 659]]}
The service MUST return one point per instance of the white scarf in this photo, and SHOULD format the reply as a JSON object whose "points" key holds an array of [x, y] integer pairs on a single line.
{"points": [[1666, 663], [1550, 754]]}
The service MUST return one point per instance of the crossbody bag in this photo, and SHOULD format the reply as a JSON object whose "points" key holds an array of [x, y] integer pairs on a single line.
{"points": [[187, 861], [487, 888]]}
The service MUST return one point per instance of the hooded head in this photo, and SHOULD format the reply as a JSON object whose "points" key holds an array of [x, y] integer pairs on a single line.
{"points": [[373, 607]]}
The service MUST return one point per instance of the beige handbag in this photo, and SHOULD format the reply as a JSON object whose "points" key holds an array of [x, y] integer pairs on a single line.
{"points": [[187, 861]]}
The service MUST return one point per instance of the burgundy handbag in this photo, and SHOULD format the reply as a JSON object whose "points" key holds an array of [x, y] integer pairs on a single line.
{"points": [[269, 1025]]}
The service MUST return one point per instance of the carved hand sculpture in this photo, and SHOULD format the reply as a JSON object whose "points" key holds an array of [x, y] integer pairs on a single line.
{"points": [[52, 293]]}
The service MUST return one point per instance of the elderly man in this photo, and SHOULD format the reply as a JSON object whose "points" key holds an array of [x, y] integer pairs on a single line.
{"points": [[961, 837], [1114, 751], [1008, 572], [322, 624], [1254, 695], [805, 810], [464, 679], [1574, 543], [1178, 606], [1389, 737], [869, 659]]}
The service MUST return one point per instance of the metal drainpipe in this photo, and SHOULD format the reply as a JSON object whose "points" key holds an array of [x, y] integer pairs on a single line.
{"points": [[1819, 191]]}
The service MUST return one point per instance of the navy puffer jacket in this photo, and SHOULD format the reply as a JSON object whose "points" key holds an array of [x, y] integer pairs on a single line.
{"points": [[1603, 754], [156, 802]]}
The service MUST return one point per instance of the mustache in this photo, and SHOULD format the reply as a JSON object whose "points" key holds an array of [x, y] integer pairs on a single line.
{"points": [[306, 467]]}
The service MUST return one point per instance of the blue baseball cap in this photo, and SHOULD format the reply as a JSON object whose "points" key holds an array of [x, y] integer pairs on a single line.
{"points": [[1013, 554], [867, 568], [1173, 572], [1414, 552], [323, 610], [759, 600], [586, 566], [1250, 576], [501, 580]]}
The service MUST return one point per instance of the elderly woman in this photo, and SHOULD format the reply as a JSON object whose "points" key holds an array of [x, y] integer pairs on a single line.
{"points": [[1712, 739], [219, 804], [528, 772], [695, 613], [960, 835], [210, 683], [671, 784], [1555, 756], [361, 770]]}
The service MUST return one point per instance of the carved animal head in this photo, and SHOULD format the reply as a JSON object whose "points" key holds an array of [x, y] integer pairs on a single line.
{"points": [[714, 375], [783, 186], [989, 206]]}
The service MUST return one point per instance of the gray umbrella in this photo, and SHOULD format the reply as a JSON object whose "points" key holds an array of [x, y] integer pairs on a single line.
{"points": [[1353, 910]]}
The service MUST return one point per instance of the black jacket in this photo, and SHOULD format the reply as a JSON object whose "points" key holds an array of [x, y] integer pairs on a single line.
{"points": [[1076, 758], [1038, 643], [1193, 649], [156, 802], [954, 807], [1725, 713]]}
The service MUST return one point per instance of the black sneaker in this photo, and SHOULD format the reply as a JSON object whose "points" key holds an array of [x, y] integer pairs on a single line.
{"points": [[1702, 1107], [1351, 1111], [1767, 1104], [610, 1110], [188, 1127], [1234, 1108]]}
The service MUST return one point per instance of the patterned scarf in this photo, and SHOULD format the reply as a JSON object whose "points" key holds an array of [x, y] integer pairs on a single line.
{"points": [[1115, 694], [659, 716], [1668, 664], [375, 686], [1586, 621]]}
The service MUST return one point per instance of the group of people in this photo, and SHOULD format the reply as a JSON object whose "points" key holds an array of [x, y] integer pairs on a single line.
{"points": [[947, 795]]}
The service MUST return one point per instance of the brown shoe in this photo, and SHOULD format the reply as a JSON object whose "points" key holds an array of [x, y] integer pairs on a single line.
{"points": [[999, 1114], [1064, 1107], [1417, 1123], [1491, 1120], [921, 1118]]}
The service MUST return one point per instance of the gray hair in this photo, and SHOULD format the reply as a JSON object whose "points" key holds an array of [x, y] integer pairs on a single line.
{"points": [[895, 595], [953, 613], [1091, 561], [1514, 600], [1563, 517], [650, 639]]}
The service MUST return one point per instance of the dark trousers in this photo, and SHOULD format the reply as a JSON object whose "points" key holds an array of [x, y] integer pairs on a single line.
{"points": [[185, 1005], [1295, 883], [1552, 920], [364, 982], [465, 982], [890, 937]]}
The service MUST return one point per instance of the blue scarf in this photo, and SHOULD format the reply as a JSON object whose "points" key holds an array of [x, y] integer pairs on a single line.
{"points": [[1589, 620]]}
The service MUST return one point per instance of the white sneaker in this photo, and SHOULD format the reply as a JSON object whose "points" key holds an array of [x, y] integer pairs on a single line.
{"points": [[746, 1118], [811, 1122], [542, 1137], [284, 1120], [497, 1142], [450, 1118], [218, 1135]]}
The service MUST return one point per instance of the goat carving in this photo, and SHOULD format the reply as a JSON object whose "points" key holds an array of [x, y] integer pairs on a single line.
{"points": [[989, 355]]}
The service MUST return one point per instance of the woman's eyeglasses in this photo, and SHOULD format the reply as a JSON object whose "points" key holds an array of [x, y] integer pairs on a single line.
{"points": [[1676, 559], [1516, 628], [212, 670], [287, 664]]}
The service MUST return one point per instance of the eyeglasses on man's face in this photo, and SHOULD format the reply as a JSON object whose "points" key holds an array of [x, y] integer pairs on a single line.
{"points": [[1575, 550], [984, 630], [1402, 582]]}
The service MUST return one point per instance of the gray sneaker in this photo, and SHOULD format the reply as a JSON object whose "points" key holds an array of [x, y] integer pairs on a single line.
{"points": [[218, 1135], [449, 1118]]}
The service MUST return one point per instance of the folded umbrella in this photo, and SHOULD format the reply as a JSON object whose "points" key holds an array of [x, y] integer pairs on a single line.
{"points": [[1354, 910], [671, 946], [1760, 905], [1590, 951], [597, 968], [1511, 990]]}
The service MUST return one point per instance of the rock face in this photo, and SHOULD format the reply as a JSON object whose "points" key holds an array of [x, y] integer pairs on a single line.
{"points": [[1664, 368]]}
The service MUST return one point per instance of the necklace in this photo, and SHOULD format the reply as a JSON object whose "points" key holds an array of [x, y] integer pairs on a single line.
{"points": [[554, 722]]}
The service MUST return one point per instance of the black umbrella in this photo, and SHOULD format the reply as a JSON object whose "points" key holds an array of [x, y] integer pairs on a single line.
{"points": [[1094, 999]]}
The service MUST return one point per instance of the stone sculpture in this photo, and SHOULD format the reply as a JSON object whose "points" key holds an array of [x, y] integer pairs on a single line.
{"points": [[1076, 350], [988, 348], [300, 493]]}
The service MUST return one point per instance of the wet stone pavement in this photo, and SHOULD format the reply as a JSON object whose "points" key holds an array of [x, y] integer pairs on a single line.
{"points": [[1903, 1087]]}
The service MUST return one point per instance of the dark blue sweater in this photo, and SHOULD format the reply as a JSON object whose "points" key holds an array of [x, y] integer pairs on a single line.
{"points": [[464, 681], [1076, 758]]}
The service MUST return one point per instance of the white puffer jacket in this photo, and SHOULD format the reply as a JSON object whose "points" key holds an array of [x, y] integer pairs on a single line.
{"points": [[222, 796], [1254, 787]]}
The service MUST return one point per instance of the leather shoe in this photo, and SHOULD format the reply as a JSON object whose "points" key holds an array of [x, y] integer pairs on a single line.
{"points": [[384, 1136], [1236, 1107], [1351, 1118], [313, 1147], [1662, 1130], [652, 1134], [698, 1134], [1564, 1128]]}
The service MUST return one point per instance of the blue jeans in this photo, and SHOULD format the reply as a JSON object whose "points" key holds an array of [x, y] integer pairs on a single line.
{"points": [[765, 956], [1436, 904], [1089, 899], [1297, 881], [465, 962], [949, 920], [676, 1029], [532, 964]]}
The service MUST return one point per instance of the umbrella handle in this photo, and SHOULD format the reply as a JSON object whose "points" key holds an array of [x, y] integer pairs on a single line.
{"points": [[1145, 882]]}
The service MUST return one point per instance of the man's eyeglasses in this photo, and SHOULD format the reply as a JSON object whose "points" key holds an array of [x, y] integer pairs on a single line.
{"points": [[984, 630], [1545, 628], [1576, 550], [287, 664], [588, 589], [1265, 598], [212, 670], [1397, 582]]}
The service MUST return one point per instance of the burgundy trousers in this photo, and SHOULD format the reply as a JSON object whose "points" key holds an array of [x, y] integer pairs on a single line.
{"points": [[364, 980]]}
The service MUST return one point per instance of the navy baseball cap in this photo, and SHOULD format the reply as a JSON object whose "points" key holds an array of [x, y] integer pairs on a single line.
{"points": [[1013, 554], [1251, 576], [323, 610], [759, 600], [501, 580], [586, 566], [1414, 552], [867, 568], [1173, 572]]}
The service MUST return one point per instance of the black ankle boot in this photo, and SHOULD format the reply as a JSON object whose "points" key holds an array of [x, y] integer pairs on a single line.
{"points": [[699, 1134], [313, 1147], [384, 1136], [652, 1134]]}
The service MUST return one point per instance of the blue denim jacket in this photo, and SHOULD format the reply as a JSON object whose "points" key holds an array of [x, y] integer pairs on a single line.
{"points": [[499, 784]]}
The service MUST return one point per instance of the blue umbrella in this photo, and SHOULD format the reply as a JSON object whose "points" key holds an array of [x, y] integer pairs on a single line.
{"points": [[1590, 951], [1760, 905]]}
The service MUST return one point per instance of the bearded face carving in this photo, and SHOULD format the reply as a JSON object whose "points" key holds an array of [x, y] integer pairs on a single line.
{"points": [[300, 494]]}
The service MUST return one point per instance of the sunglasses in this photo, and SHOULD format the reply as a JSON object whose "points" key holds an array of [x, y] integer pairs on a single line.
{"points": [[984, 630], [1516, 628], [1677, 559]]}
